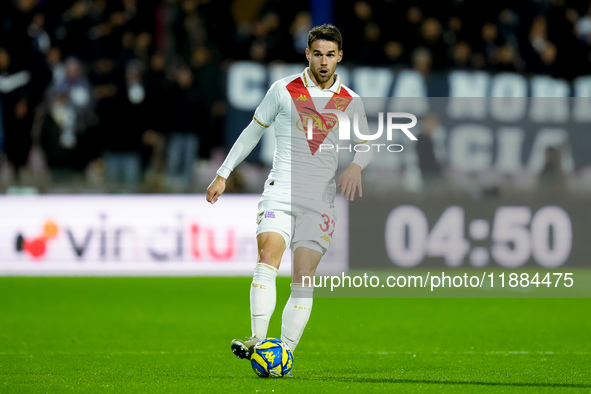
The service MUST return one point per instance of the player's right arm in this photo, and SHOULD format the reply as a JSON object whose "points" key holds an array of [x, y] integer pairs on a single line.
{"points": [[263, 117], [215, 189]]}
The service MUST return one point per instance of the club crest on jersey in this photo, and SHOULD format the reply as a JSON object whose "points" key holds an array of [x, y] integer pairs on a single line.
{"points": [[270, 214], [341, 103]]}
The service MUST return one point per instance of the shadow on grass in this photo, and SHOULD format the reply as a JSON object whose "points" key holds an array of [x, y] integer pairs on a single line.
{"points": [[452, 382]]}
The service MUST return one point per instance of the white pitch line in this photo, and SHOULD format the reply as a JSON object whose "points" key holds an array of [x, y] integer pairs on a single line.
{"points": [[381, 353], [467, 353]]}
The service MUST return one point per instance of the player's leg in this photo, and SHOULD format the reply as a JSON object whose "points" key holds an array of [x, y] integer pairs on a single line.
{"points": [[299, 306], [313, 231], [263, 293], [273, 234]]}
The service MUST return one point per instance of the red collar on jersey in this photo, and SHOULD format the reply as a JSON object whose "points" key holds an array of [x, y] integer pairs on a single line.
{"points": [[304, 104]]}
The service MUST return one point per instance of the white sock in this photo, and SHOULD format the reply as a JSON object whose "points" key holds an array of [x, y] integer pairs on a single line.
{"points": [[296, 314], [262, 298]]}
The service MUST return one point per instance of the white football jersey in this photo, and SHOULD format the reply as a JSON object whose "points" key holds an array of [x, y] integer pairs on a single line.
{"points": [[304, 168]]}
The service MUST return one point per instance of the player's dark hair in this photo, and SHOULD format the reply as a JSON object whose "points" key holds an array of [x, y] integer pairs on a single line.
{"points": [[327, 33]]}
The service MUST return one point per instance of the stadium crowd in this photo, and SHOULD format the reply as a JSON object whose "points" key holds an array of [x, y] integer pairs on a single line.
{"points": [[128, 95]]}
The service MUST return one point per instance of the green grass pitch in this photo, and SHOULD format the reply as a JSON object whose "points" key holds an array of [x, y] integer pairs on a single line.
{"points": [[173, 335]]}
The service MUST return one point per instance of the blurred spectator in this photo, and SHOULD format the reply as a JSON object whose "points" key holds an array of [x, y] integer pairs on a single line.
{"points": [[39, 37], [540, 53], [552, 175], [583, 27], [1, 131], [71, 102], [508, 60], [126, 54], [188, 114], [461, 54], [422, 60], [508, 27], [118, 113], [54, 62], [142, 46], [411, 38], [394, 52], [562, 18], [431, 39], [489, 44], [58, 133], [67, 114], [299, 29], [15, 19], [191, 29], [453, 34], [17, 115], [99, 33], [73, 31], [3, 167], [548, 58], [123, 123], [158, 96], [366, 43], [428, 163], [372, 52], [267, 42], [206, 68]]}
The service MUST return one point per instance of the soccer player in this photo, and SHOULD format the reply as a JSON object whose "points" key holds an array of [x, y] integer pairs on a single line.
{"points": [[296, 209]]}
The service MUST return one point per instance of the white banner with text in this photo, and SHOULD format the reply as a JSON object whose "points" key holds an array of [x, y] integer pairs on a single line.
{"points": [[140, 235]]}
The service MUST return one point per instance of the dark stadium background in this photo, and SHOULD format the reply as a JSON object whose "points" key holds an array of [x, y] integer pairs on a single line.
{"points": [[116, 114], [107, 48]]}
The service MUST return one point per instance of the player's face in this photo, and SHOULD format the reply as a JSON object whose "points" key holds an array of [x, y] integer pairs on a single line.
{"points": [[323, 57]]}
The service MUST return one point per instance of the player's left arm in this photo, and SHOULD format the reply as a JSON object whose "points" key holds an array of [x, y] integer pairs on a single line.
{"points": [[350, 180]]}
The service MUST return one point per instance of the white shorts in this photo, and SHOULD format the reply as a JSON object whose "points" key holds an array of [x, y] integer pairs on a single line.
{"points": [[311, 225]]}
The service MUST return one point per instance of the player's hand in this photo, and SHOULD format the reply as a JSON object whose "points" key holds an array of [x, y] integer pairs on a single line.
{"points": [[350, 182], [215, 189]]}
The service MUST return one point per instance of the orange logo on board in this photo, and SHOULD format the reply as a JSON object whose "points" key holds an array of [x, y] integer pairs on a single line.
{"points": [[36, 247]]}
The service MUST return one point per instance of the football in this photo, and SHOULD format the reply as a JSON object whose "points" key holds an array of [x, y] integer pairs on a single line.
{"points": [[271, 357]]}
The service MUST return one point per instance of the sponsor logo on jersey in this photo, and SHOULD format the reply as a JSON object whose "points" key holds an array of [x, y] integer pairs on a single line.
{"points": [[309, 114], [330, 121], [270, 214]]}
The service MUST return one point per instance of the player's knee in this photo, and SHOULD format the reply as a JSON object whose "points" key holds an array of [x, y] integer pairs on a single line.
{"points": [[299, 275], [269, 256]]}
